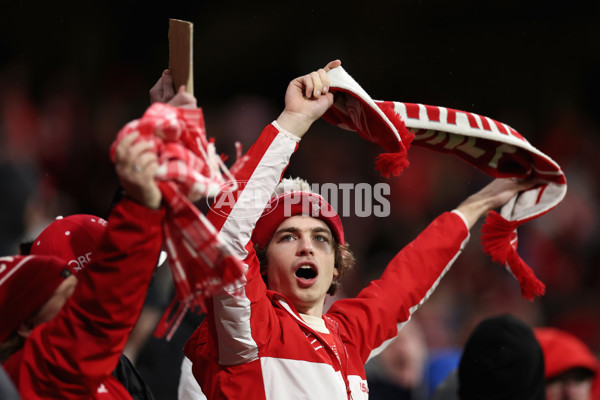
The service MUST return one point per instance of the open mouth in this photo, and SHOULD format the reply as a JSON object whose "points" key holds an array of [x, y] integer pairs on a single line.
{"points": [[306, 272]]}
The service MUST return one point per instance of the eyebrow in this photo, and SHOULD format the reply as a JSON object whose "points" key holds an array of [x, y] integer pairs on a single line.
{"points": [[293, 229]]}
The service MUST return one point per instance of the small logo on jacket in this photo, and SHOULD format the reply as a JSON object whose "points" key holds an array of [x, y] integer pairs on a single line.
{"points": [[363, 387]]}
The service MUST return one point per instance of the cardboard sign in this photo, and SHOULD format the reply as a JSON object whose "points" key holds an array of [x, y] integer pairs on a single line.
{"points": [[181, 54]]}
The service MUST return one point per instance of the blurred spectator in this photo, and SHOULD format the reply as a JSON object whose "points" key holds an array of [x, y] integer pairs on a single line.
{"points": [[441, 364], [501, 360], [570, 365], [7, 389], [398, 371]]}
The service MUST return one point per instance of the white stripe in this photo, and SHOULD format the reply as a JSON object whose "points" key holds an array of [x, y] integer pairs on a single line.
{"points": [[509, 131], [299, 379], [443, 115], [232, 312], [478, 120], [400, 108], [188, 388], [15, 269], [287, 307], [423, 113], [248, 208], [542, 172], [376, 351], [493, 126], [232, 322], [462, 120]]}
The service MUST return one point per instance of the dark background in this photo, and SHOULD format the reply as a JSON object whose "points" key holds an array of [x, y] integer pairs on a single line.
{"points": [[73, 73]]}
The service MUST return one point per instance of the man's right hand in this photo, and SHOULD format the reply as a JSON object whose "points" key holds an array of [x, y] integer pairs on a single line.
{"points": [[307, 98]]}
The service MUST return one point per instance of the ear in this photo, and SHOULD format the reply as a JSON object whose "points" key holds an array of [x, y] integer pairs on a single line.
{"points": [[25, 328], [336, 273]]}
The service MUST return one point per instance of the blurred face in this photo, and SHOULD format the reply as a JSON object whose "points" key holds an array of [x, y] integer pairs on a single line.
{"points": [[404, 358], [56, 302], [300, 262], [572, 385]]}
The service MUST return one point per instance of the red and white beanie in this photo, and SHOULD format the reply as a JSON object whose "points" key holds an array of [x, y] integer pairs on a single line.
{"points": [[294, 197], [26, 284], [72, 239]]}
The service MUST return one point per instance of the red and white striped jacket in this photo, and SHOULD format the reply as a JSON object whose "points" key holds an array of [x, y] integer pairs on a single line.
{"points": [[256, 345]]}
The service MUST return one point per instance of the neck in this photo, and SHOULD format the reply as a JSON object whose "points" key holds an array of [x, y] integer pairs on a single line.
{"points": [[313, 311]]}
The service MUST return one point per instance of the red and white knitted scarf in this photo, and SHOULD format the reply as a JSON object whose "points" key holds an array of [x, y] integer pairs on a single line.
{"points": [[489, 145], [200, 262]]}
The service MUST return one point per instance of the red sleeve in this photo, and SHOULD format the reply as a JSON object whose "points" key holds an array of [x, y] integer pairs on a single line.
{"points": [[78, 349], [408, 280], [232, 318]]}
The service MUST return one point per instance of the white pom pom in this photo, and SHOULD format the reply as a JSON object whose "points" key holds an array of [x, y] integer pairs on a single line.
{"points": [[292, 185]]}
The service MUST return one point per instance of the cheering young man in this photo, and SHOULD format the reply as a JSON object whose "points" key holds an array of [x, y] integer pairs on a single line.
{"points": [[269, 338]]}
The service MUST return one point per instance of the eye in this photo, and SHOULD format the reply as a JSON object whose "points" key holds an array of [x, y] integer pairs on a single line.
{"points": [[321, 238], [288, 237]]}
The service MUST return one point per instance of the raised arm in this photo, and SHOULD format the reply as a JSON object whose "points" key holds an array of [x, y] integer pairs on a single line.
{"points": [[306, 100], [414, 273], [237, 339], [494, 195]]}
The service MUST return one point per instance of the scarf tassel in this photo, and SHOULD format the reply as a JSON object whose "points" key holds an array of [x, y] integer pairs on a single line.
{"points": [[499, 242], [394, 163], [391, 163]]}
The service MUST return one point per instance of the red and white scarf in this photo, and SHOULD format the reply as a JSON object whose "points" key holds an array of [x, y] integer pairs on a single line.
{"points": [[489, 145], [200, 262]]}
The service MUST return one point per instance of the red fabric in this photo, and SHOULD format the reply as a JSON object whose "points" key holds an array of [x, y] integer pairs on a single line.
{"points": [[73, 239], [200, 262], [378, 125], [394, 163], [289, 204], [188, 167], [184, 154], [596, 387], [563, 351], [73, 355], [499, 240], [26, 283]]}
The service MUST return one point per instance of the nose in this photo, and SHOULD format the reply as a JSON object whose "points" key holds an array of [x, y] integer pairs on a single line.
{"points": [[574, 389], [305, 246]]}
